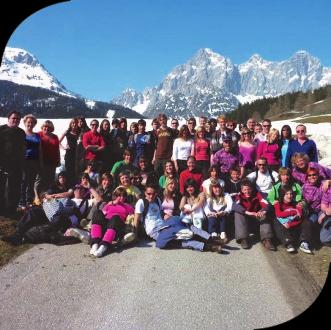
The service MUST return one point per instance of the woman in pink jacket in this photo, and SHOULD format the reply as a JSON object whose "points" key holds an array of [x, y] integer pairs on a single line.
{"points": [[270, 149], [109, 223]]}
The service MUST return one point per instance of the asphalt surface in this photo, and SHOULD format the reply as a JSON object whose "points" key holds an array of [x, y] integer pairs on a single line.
{"points": [[142, 287]]}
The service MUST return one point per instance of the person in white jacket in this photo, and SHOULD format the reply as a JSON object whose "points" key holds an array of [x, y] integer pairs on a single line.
{"points": [[217, 206]]}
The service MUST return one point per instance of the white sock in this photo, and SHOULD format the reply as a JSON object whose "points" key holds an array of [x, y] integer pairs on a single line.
{"points": [[223, 235]]}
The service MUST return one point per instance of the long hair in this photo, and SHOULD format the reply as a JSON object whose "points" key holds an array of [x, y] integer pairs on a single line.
{"points": [[193, 183], [282, 192], [219, 199]]}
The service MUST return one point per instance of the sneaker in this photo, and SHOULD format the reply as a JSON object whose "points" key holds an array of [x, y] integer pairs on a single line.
{"points": [[224, 237], [304, 247], [94, 248], [268, 244], [101, 251], [128, 238], [245, 244], [212, 247], [290, 248], [83, 235]]}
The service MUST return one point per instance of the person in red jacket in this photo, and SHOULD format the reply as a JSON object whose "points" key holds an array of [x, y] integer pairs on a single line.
{"points": [[290, 222], [190, 173], [251, 216]]}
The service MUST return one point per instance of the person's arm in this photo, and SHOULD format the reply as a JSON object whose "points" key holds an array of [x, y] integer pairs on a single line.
{"points": [[175, 154], [66, 194], [200, 201], [61, 139], [313, 154], [136, 223], [272, 195], [229, 203]]}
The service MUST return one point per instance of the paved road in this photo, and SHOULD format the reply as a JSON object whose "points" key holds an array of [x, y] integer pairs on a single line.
{"points": [[52, 287]]}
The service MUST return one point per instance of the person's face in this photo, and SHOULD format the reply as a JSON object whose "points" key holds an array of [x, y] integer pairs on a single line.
{"points": [[301, 163], [14, 120], [213, 173], [171, 186], [125, 180], [127, 158], [191, 125], [221, 123], [288, 197], [155, 126], [114, 125], [216, 190], [74, 125], [134, 129], [80, 123], [201, 134], [266, 127], [46, 129], [213, 125], [62, 180], [191, 164], [105, 183], [202, 121], [123, 125], [105, 126], [262, 166], [274, 137], [120, 199], [230, 126], [246, 136], [174, 124], [207, 127], [78, 193], [190, 190], [29, 124], [257, 129], [301, 132], [285, 178], [312, 178], [163, 121], [142, 164], [150, 194], [251, 124], [247, 191], [235, 176], [141, 128], [226, 146], [84, 181], [169, 168], [90, 167], [94, 126], [285, 132]]}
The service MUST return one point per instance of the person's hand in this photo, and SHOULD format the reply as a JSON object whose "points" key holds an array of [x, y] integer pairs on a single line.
{"points": [[326, 185]]}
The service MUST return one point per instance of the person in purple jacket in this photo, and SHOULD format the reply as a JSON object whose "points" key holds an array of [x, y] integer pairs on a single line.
{"points": [[325, 218], [300, 165], [301, 144], [228, 157]]}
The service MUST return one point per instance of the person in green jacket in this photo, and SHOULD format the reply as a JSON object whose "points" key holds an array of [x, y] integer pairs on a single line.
{"points": [[285, 179]]}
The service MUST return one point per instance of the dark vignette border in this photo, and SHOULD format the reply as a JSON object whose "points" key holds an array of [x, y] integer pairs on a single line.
{"points": [[15, 13]]}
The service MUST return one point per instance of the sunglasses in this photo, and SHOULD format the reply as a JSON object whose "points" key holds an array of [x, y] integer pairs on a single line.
{"points": [[261, 164], [150, 194], [94, 124], [311, 175], [301, 131]]}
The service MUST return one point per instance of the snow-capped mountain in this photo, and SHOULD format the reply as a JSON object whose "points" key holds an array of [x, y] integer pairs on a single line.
{"points": [[21, 67], [211, 84]]}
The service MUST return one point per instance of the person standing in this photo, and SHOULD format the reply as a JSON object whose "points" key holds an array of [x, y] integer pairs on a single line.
{"points": [[50, 147], [32, 163], [12, 149], [164, 144]]}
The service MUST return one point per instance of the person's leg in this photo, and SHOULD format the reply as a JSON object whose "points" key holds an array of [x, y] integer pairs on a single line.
{"points": [[192, 244], [14, 187], [240, 226], [305, 230], [283, 234], [212, 224], [325, 233]]}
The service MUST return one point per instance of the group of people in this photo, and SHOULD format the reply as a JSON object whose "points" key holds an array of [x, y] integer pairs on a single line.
{"points": [[190, 186]]}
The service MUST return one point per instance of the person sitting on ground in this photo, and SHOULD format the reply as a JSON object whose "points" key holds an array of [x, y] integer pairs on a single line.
{"points": [[60, 189], [263, 177], [172, 232], [171, 199], [109, 224], [251, 216], [285, 179], [300, 165], [146, 172], [191, 204], [214, 175], [190, 173], [290, 222], [217, 206]]}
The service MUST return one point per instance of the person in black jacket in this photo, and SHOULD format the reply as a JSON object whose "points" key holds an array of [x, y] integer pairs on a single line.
{"points": [[12, 155]]}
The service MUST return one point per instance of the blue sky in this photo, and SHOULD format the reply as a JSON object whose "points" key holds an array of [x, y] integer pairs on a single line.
{"points": [[97, 48]]}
